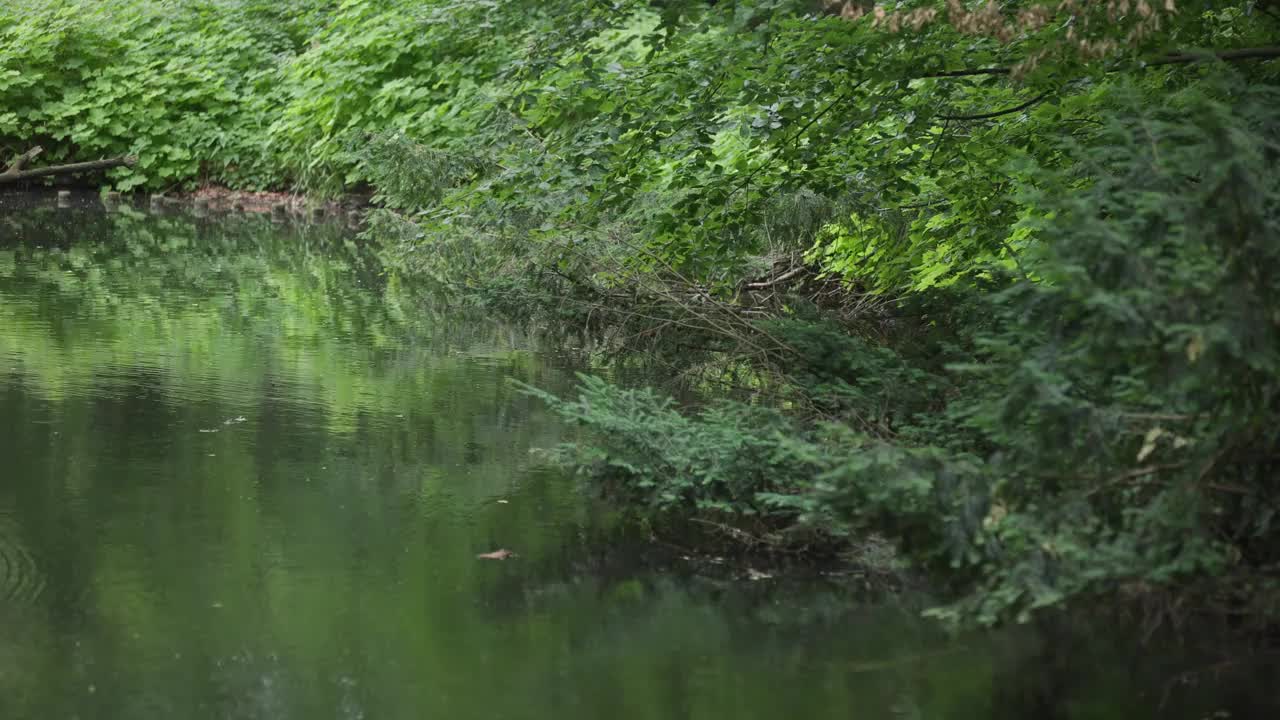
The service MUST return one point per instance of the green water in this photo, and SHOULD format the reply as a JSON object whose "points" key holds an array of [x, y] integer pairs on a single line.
{"points": [[244, 474]]}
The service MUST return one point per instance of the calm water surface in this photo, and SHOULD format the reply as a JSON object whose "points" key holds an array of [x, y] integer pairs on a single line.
{"points": [[244, 475]]}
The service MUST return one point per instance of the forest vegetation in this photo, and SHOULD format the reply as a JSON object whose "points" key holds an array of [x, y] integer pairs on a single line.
{"points": [[998, 282]]}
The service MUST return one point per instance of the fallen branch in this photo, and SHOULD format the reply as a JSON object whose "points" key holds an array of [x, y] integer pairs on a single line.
{"points": [[794, 272], [16, 173], [21, 161]]}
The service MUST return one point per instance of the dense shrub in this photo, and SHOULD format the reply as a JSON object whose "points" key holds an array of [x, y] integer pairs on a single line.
{"points": [[1117, 425], [190, 88]]}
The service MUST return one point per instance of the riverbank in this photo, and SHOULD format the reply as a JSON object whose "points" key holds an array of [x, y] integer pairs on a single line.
{"points": [[347, 206], [350, 210]]}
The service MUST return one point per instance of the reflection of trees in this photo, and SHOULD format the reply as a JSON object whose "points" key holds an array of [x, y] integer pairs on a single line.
{"points": [[373, 444], [317, 560], [208, 303]]}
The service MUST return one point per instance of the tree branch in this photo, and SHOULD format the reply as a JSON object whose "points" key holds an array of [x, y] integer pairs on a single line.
{"points": [[1263, 53], [998, 113], [21, 161], [765, 284], [15, 173], [968, 72], [1174, 58]]}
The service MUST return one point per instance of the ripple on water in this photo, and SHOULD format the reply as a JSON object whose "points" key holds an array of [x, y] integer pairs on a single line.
{"points": [[21, 579]]}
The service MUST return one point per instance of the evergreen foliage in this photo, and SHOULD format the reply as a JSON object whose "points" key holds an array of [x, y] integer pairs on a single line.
{"points": [[1114, 427]]}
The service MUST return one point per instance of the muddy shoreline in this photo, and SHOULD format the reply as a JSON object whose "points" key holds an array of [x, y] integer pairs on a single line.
{"points": [[282, 206]]}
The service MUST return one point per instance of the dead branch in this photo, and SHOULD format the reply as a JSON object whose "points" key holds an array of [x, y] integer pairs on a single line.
{"points": [[21, 161], [17, 173], [764, 284]]}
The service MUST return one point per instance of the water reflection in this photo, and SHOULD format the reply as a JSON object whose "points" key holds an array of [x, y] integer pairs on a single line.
{"points": [[243, 477]]}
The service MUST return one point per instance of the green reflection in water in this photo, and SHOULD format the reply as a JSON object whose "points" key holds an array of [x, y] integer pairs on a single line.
{"points": [[244, 477]]}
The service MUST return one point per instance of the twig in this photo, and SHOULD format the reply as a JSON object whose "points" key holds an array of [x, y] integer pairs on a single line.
{"points": [[1177, 58], [968, 73], [731, 531], [946, 126], [794, 272], [1170, 417], [1133, 475]]}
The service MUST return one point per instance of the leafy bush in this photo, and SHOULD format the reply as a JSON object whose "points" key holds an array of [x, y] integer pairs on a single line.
{"points": [[1133, 390], [719, 461], [405, 66], [1115, 427], [190, 89]]}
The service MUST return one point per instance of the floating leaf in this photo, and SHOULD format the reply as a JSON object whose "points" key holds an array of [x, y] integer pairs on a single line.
{"points": [[496, 555]]}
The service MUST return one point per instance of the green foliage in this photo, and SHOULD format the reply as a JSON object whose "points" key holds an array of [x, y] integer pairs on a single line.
{"points": [[720, 461], [1113, 425], [694, 127], [1134, 388], [189, 89], [409, 67]]}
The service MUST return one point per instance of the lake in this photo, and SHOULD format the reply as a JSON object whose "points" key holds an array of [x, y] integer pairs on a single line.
{"points": [[245, 472]]}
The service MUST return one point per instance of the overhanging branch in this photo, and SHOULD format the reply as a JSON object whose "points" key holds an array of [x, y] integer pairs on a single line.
{"points": [[1175, 58], [998, 113]]}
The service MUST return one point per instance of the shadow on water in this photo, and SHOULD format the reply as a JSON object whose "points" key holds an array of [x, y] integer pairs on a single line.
{"points": [[246, 474]]}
